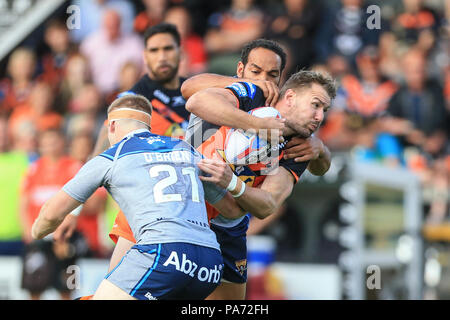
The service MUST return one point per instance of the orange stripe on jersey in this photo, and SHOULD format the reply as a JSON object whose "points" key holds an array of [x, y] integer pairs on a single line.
{"points": [[367, 103], [166, 112], [159, 124]]}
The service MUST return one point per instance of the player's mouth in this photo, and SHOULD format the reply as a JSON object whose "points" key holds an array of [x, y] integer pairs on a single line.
{"points": [[164, 68], [313, 127]]}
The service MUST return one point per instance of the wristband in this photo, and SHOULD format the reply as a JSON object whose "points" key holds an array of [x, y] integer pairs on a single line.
{"points": [[76, 212], [241, 191], [233, 183]]}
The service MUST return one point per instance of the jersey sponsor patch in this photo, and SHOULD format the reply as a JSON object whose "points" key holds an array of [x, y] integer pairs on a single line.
{"points": [[251, 89], [178, 101], [240, 89], [161, 96]]}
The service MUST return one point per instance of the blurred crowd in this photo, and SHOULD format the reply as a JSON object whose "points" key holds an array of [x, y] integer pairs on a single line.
{"points": [[392, 107]]}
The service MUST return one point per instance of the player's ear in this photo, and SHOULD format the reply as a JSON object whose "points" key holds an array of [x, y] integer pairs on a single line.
{"points": [[289, 96], [240, 69], [112, 126]]}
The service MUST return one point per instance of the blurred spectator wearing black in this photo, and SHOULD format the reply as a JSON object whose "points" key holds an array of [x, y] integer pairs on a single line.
{"points": [[343, 31], [296, 28], [417, 114], [417, 110], [108, 50], [194, 58], [53, 63], [417, 25], [228, 31]]}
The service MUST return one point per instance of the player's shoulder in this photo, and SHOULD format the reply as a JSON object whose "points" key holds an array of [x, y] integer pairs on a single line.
{"points": [[146, 142], [143, 85], [249, 95], [244, 89]]}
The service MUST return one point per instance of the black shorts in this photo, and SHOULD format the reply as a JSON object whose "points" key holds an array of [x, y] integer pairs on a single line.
{"points": [[42, 269], [233, 245]]}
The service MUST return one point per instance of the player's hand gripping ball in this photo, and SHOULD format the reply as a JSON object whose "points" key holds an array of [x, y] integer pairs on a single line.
{"points": [[244, 147]]}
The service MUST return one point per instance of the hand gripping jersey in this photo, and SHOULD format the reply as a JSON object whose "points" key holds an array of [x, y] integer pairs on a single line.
{"points": [[209, 139], [154, 180]]}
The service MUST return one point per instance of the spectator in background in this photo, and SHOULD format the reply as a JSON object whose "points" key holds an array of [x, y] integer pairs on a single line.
{"points": [[53, 63], [76, 76], [92, 12], [45, 261], [13, 163], [88, 223], [296, 28], [37, 111], [417, 26], [414, 26], [108, 50], [229, 30], [152, 15], [87, 114], [417, 110], [360, 101], [343, 31], [417, 115], [129, 75], [15, 89], [194, 57]]}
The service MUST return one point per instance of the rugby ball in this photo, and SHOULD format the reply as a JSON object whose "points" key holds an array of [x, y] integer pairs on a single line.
{"points": [[246, 147]]}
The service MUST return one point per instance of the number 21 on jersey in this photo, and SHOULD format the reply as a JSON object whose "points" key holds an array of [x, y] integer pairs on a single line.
{"points": [[172, 179]]}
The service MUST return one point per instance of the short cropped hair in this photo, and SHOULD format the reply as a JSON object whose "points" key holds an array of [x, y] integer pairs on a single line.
{"points": [[266, 44], [163, 28], [305, 78], [132, 101]]}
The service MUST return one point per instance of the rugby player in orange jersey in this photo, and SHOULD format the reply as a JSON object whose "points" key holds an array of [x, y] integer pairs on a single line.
{"points": [[264, 67], [260, 56]]}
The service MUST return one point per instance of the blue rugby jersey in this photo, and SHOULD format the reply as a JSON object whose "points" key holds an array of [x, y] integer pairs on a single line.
{"points": [[154, 180]]}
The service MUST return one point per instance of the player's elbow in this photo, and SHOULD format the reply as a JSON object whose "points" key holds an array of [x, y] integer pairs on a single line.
{"points": [[191, 103], [196, 102], [193, 85], [318, 170]]}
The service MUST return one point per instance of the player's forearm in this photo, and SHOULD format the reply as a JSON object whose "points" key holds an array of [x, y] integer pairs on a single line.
{"points": [[320, 166], [52, 214], [44, 226], [259, 203], [204, 81], [220, 108]]}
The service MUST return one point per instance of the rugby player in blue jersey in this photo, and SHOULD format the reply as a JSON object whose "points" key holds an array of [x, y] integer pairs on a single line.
{"points": [[155, 180]]}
